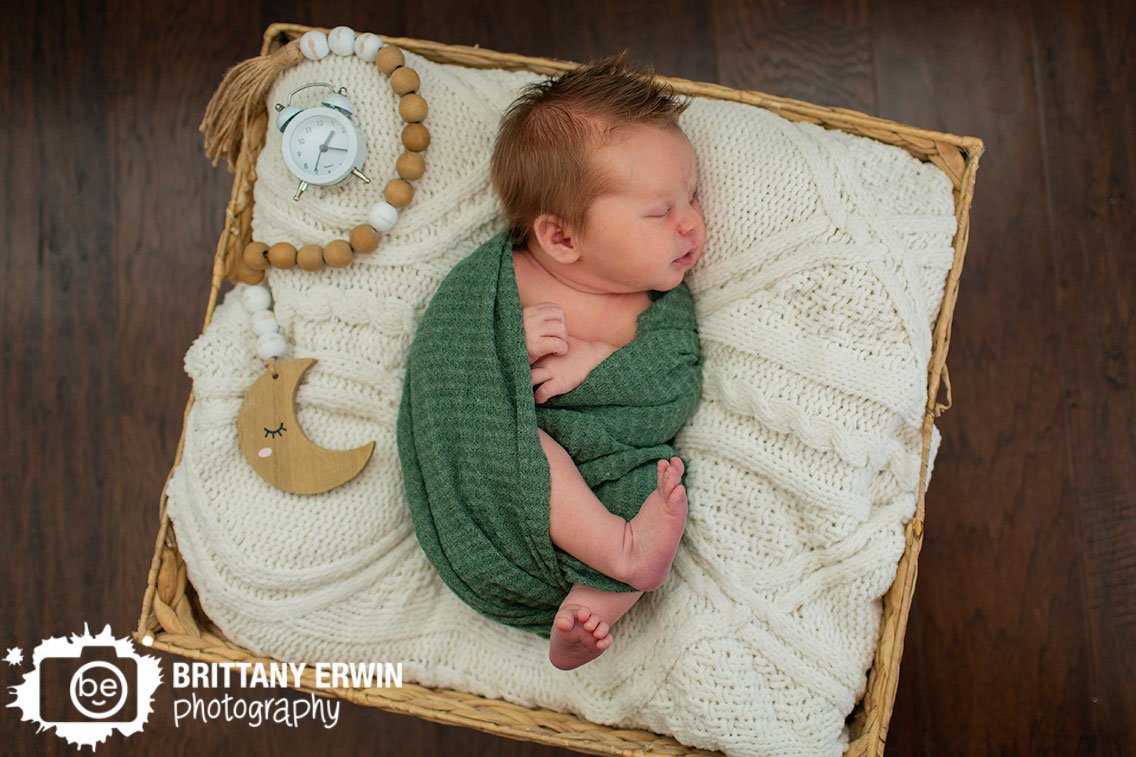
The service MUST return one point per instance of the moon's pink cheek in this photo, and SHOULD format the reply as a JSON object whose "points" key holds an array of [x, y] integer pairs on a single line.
{"points": [[265, 452]]}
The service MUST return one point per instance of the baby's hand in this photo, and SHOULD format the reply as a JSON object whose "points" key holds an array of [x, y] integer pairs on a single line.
{"points": [[546, 332], [560, 374]]}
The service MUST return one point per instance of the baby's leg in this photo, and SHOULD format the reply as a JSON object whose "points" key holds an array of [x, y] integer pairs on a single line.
{"points": [[580, 632], [639, 552]]}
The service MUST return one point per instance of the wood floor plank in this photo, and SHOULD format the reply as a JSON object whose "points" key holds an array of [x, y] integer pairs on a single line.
{"points": [[819, 52], [1086, 81], [1000, 562], [59, 330]]}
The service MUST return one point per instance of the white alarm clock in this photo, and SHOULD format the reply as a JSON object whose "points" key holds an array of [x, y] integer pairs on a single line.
{"points": [[322, 146]]}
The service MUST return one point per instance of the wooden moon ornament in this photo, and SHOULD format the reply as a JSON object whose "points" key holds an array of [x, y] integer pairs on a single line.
{"points": [[277, 448]]}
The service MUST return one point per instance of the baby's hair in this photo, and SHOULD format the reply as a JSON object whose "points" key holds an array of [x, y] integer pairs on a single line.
{"points": [[540, 159]]}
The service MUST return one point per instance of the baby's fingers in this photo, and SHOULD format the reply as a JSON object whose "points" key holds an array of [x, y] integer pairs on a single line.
{"points": [[551, 318], [542, 347], [540, 375], [553, 345], [549, 388], [546, 391]]}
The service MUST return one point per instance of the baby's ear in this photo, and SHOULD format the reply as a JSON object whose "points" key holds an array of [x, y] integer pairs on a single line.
{"points": [[556, 238]]}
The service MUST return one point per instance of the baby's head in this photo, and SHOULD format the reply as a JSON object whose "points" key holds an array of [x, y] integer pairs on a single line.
{"points": [[594, 152]]}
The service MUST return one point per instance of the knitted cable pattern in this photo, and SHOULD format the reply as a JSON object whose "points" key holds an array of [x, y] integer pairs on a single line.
{"points": [[823, 273]]}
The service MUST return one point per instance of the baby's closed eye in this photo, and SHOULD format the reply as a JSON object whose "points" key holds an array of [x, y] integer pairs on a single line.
{"points": [[663, 212]]}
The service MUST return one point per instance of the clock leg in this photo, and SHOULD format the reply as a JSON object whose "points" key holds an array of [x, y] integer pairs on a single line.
{"points": [[300, 190], [361, 175]]}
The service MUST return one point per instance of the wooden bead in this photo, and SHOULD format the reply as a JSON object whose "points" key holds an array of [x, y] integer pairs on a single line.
{"points": [[404, 81], [367, 46], [264, 322], [248, 275], [383, 216], [399, 193], [282, 255], [410, 166], [364, 238], [271, 346], [413, 108], [341, 40], [254, 253], [314, 45], [256, 299], [338, 254], [310, 257], [416, 137], [389, 58]]}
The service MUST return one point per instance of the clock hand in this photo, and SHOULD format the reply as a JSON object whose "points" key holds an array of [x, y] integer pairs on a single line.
{"points": [[323, 149], [341, 149]]}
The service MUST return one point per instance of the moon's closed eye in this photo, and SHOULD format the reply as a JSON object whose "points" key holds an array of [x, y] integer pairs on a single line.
{"points": [[291, 461]]}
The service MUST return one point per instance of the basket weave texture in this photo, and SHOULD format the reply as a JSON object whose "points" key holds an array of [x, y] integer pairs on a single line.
{"points": [[173, 618]]}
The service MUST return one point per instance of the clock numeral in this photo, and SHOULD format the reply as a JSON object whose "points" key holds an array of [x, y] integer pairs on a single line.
{"points": [[300, 140]]}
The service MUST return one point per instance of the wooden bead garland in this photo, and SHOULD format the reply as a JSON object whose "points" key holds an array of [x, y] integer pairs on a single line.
{"points": [[258, 256], [398, 193]]}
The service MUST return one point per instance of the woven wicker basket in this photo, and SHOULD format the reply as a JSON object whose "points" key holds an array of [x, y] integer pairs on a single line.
{"points": [[172, 616]]}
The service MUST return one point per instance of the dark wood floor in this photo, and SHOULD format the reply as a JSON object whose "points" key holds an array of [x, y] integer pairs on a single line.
{"points": [[1022, 639]]}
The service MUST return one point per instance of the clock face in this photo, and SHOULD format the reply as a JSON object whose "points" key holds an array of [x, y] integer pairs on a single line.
{"points": [[321, 146]]}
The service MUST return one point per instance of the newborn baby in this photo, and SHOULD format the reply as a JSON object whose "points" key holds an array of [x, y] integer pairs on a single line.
{"points": [[555, 364], [598, 185]]}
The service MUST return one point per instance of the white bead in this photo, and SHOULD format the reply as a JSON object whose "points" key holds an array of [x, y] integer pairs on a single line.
{"points": [[383, 216], [314, 45], [270, 346], [264, 322], [341, 39], [256, 297], [367, 46]]}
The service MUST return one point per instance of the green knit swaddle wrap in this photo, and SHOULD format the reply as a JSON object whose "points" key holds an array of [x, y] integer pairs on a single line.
{"points": [[477, 479]]}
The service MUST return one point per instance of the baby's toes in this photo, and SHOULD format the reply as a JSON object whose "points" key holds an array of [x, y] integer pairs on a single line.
{"points": [[669, 482], [677, 496], [601, 631], [604, 643], [564, 621], [679, 467], [591, 623]]}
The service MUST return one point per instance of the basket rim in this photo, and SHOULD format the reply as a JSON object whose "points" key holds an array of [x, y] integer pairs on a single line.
{"points": [[957, 156], [281, 32]]}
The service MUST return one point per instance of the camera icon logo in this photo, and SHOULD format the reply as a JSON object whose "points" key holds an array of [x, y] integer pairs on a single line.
{"points": [[97, 685], [88, 687]]}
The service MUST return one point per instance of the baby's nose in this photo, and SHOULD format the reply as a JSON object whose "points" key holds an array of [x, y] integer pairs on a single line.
{"points": [[690, 220]]}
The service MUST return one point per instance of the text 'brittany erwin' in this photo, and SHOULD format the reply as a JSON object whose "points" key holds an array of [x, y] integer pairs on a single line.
{"points": [[327, 675]]}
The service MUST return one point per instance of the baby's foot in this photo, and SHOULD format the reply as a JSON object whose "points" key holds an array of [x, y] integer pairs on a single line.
{"points": [[651, 538], [577, 637]]}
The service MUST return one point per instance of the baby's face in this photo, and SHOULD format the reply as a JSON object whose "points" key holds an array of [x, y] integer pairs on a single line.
{"points": [[648, 231]]}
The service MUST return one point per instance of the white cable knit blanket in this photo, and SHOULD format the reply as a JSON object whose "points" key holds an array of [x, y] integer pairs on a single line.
{"points": [[823, 273]]}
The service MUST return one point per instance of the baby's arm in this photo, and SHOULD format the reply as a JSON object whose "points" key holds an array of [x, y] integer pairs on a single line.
{"points": [[559, 362], [560, 374]]}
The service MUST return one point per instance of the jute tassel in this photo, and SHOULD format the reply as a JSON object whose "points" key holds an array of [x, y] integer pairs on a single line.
{"points": [[242, 89]]}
